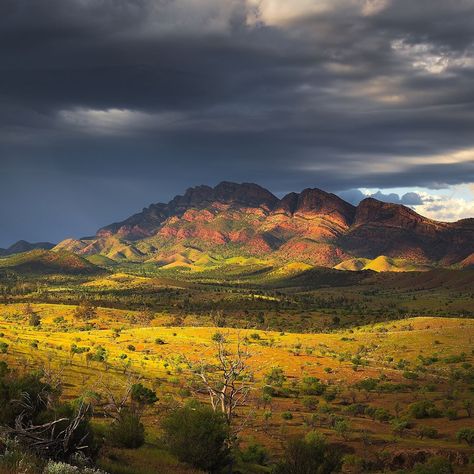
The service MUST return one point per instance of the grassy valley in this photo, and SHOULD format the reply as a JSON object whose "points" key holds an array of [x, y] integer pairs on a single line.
{"points": [[379, 365], [357, 386]]}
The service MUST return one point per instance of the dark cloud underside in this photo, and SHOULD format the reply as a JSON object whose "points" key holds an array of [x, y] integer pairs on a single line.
{"points": [[106, 106]]}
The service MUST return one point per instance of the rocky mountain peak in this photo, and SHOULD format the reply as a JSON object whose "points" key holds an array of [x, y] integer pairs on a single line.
{"points": [[245, 194], [371, 210]]}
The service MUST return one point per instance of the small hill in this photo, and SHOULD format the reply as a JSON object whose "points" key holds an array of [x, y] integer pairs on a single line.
{"points": [[388, 264], [100, 260], [290, 269], [353, 264], [381, 264], [45, 262], [112, 247], [24, 246]]}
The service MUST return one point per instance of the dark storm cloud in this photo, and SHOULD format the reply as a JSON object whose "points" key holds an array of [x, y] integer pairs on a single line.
{"points": [[126, 102]]}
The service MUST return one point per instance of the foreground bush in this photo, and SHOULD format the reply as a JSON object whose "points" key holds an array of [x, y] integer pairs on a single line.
{"points": [[16, 460], [32, 415], [197, 435], [309, 455], [436, 465], [254, 453], [63, 468], [127, 431], [29, 387]]}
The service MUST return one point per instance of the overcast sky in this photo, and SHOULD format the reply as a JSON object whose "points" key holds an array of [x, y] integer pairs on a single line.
{"points": [[109, 105]]}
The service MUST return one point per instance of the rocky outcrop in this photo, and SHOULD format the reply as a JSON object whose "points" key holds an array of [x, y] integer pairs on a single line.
{"points": [[394, 230]]}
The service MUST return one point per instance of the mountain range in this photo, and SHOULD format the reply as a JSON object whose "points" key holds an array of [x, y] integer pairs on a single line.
{"points": [[209, 226]]}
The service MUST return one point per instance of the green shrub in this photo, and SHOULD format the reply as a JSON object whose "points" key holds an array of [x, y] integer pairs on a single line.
{"points": [[254, 453], [342, 428], [410, 375], [454, 359], [451, 413], [399, 426], [356, 409], [275, 377], [100, 354], [435, 465], [38, 404], [197, 435], [14, 389], [368, 384], [309, 455], [381, 414], [4, 369], [312, 386], [466, 435], [15, 460], [268, 391], [330, 395], [143, 395], [127, 431], [424, 409], [218, 337], [427, 432], [310, 403], [353, 464]]}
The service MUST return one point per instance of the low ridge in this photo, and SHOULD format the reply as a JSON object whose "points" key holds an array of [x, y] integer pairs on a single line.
{"points": [[42, 262], [24, 246]]}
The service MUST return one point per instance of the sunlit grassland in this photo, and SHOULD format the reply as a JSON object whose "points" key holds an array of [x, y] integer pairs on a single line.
{"points": [[160, 354]]}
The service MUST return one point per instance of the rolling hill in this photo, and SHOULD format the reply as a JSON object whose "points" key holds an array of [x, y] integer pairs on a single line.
{"points": [[24, 246], [47, 262], [381, 264]]}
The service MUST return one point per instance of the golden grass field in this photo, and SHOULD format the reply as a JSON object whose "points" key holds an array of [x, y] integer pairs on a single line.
{"points": [[327, 356]]}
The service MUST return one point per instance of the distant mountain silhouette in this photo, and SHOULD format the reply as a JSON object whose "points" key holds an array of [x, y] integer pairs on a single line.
{"points": [[24, 246]]}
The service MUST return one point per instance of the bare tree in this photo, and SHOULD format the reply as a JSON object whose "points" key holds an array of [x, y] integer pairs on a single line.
{"points": [[117, 397], [58, 438], [226, 380]]}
